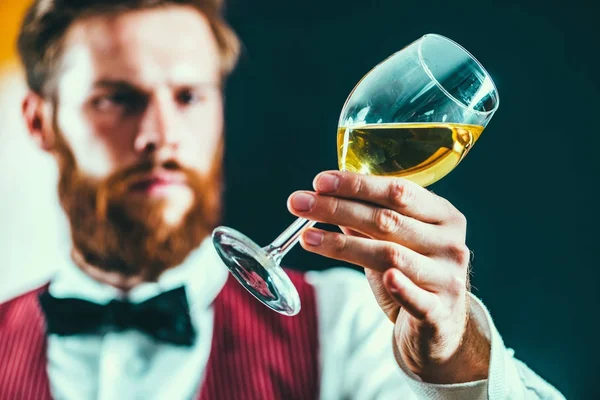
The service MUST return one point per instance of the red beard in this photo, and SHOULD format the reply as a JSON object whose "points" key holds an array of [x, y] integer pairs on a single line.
{"points": [[116, 233]]}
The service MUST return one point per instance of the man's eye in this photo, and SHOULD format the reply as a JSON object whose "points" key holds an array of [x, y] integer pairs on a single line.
{"points": [[189, 97], [114, 100]]}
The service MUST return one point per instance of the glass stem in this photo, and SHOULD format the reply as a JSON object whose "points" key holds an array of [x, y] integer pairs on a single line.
{"points": [[288, 238]]}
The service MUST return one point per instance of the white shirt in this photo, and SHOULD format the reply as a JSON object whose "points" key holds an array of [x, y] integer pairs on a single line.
{"points": [[356, 356]]}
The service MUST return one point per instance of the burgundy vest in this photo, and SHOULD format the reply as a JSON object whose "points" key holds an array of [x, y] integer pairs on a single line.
{"points": [[256, 353]]}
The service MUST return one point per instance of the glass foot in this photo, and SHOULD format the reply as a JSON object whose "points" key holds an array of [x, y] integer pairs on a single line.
{"points": [[254, 269]]}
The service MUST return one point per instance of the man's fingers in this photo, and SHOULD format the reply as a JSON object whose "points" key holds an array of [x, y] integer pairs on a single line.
{"points": [[378, 256], [398, 194], [417, 302], [352, 232], [370, 220]]}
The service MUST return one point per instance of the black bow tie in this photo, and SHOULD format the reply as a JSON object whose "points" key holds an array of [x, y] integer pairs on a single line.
{"points": [[165, 317]]}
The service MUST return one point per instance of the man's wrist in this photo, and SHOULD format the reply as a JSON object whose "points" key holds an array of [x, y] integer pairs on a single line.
{"points": [[469, 364]]}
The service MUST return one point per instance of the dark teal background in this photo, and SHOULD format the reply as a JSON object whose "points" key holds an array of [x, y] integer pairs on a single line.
{"points": [[527, 188]]}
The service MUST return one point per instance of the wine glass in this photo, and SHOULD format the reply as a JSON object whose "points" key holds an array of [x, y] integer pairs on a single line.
{"points": [[415, 115]]}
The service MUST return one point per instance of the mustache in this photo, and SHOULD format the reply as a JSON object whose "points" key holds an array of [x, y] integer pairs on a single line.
{"points": [[125, 177], [120, 181]]}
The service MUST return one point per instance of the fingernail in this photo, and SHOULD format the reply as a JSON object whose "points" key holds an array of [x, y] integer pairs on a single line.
{"points": [[314, 238], [328, 183], [303, 201]]}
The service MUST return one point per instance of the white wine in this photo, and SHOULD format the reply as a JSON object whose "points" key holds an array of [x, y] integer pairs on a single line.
{"points": [[421, 152]]}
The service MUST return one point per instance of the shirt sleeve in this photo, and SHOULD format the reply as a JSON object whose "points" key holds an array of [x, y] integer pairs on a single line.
{"points": [[357, 358]]}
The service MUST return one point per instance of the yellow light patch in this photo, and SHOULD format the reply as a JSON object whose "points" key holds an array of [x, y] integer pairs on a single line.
{"points": [[11, 15]]}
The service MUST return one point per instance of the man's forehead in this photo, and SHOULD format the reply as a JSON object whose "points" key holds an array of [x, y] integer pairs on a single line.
{"points": [[172, 44]]}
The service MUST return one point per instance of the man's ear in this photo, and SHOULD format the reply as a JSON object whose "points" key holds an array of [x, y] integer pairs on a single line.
{"points": [[38, 120]]}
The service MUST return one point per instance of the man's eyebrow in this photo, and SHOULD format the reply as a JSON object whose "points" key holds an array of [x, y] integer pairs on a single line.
{"points": [[127, 86], [199, 84], [116, 84]]}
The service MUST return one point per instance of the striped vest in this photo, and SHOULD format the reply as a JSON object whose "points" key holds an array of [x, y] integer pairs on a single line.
{"points": [[255, 352]]}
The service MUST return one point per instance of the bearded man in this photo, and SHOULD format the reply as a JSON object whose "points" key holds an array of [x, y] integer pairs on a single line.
{"points": [[127, 97]]}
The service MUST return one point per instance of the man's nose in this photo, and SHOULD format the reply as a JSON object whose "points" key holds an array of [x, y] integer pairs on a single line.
{"points": [[158, 126]]}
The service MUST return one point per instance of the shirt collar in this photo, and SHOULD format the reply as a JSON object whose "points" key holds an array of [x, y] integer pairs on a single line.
{"points": [[203, 274]]}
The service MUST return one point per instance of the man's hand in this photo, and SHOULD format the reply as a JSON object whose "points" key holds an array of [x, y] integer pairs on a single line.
{"points": [[411, 243]]}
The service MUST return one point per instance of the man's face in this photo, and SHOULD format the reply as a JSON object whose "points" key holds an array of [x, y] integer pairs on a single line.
{"points": [[139, 121]]}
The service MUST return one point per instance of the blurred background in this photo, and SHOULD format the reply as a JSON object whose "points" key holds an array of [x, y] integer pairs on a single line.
{"points": [[526, 188]]}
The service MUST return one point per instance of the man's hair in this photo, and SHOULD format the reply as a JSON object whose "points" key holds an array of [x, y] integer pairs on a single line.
{"points": [[46, 23]]}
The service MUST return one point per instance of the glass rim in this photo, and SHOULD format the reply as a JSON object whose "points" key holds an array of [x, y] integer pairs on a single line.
{"points": [[439, 85]]}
